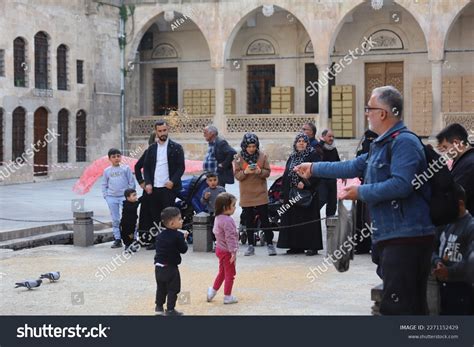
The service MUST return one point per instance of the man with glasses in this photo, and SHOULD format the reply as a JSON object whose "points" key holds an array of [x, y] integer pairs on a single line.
{"points": [[402, 231], [309, 129]]}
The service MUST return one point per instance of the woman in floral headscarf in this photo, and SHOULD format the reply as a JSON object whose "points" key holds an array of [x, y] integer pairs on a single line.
{"points": [[308, 236], [251, 169]]}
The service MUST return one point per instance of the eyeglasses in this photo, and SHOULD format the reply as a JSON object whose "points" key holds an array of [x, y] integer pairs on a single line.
{"points": [[367, 109]]}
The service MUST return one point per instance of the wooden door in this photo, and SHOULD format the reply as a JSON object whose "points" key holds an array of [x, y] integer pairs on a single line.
{"points": [[165, 90], [382, 74], [260, 80], [40, 142]]}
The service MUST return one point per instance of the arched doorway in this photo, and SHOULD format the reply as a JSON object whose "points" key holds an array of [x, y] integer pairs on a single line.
{"points": [[173, 55], [40, 142], [375, 52], [81, 136]]}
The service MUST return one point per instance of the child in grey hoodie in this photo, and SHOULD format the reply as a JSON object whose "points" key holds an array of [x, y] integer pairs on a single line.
{"points": [[450, 261], [116, 179]]}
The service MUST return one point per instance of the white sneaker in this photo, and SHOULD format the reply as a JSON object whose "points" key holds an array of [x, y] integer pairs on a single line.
{"points": [[271, 250], [230, 299], [211, 293], [250, 251]]}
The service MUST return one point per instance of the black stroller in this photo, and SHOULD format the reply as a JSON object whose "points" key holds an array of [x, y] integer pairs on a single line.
{"points": [[275, 202], [189, 201]]}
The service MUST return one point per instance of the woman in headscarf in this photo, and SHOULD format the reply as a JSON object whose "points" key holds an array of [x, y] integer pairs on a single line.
{"points": [[308, 236], [251, 169]]}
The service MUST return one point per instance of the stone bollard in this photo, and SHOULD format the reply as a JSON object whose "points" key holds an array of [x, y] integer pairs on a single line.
{"points": [[83, 228], [376, 296], [202, 238]]}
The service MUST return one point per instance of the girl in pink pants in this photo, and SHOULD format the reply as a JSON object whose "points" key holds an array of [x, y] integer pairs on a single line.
{"points": [[227, 245]]}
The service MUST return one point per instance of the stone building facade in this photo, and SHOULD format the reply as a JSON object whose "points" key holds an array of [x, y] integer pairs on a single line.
{"points": [[233, 52]]}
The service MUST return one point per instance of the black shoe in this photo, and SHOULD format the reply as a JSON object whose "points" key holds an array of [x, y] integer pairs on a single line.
{"points": [[173, 313], [159, 311], [311, 252], [130, 249], [150, 247], [295, 251], [117, 244]]}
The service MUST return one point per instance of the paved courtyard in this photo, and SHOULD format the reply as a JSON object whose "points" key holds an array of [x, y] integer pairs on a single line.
{"points": [[264, 285]]}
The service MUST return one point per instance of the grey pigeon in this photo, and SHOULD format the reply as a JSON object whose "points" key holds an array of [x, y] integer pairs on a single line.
{"points": [[51, 276], [30, 284]]}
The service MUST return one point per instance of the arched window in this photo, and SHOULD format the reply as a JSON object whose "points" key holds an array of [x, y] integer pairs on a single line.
{"points": [[62, 67], [63, 131], [19, 62], [18, 132], [41, 60], [81, 144], [1, 136]]}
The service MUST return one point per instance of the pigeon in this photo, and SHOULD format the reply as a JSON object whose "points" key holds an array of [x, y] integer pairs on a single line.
{"points": [[51, 276], [30, 284]]}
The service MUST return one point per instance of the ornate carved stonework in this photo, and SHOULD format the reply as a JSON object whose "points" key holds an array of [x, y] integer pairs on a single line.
{"points": [[261, 47], [309, 47], [142, 126], [466, 119], [267, 123], [164, 51], [386, 39]]}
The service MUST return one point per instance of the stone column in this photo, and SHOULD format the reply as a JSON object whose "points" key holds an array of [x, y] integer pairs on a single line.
{"points": [[220, 120], [437, 92], [323, 88]]}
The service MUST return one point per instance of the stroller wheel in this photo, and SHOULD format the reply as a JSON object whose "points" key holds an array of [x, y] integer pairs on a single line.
{"points": [[243, 238]]}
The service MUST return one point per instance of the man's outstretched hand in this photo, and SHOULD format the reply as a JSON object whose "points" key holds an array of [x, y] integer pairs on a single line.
{"points": [[303, 170]]}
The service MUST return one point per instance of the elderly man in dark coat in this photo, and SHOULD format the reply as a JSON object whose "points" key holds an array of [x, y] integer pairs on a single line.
{"points": [[219, 156]]}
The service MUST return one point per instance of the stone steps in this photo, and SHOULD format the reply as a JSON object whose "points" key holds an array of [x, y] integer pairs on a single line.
{"points": [[22, 233], [52, 238]]}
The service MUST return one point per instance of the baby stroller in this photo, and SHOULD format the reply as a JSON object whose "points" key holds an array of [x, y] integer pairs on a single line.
{"points": [[275, 202], [189, 201]]}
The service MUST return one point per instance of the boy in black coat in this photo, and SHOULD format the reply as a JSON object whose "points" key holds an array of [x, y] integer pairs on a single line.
{"points": [[128, 222], [170, 243], [450, 262]]}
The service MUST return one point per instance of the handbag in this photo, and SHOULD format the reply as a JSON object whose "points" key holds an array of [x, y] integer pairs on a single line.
{"points": [[301, 197]]}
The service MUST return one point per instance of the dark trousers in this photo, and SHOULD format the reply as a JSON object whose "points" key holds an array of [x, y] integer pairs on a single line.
{"points": [[250, 223], [328, 196], [220, 181], [404, 269], [212, 218], [456, 298], [127, 232], [145, 222], [168, 284], [364, 244], [160, 199]]}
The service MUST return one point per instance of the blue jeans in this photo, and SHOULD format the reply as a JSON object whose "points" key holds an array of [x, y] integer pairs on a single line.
{"points": [[115, 206]]}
